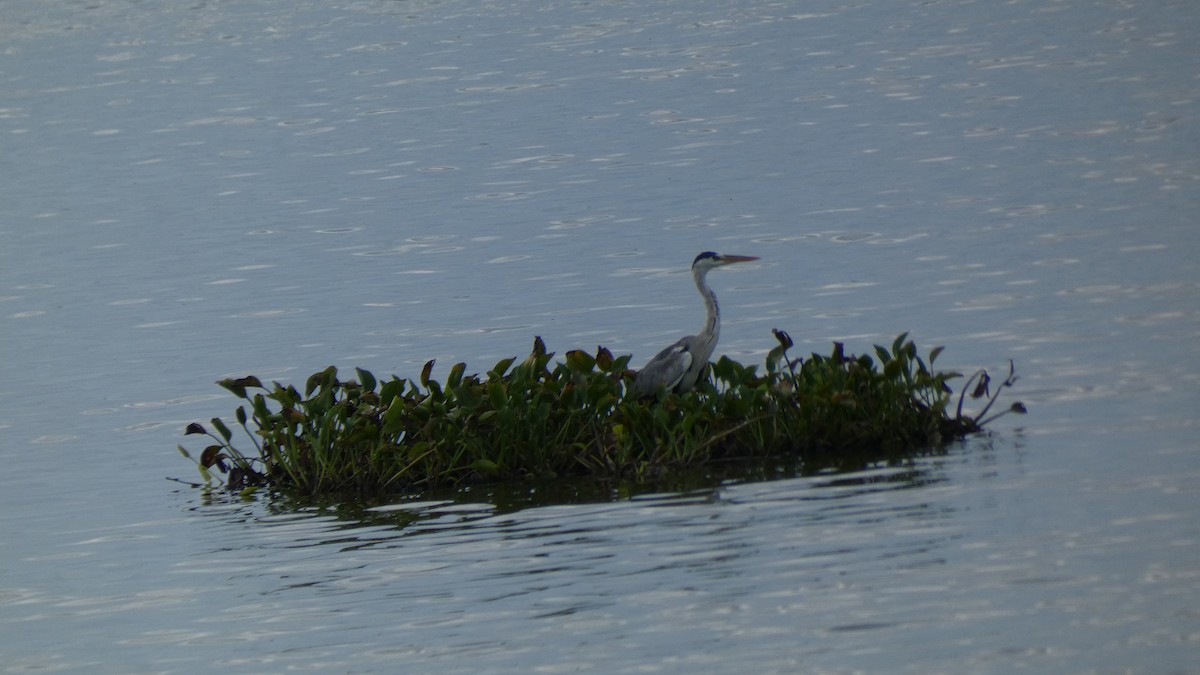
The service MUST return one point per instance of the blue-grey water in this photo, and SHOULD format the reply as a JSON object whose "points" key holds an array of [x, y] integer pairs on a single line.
{"points": [[196, 190]]}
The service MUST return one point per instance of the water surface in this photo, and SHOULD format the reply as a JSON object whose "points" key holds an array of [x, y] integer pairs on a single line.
{"points": [[197, 191]]}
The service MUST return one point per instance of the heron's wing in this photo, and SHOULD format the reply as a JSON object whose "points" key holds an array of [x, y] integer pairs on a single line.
{"points": [[665, 370]]}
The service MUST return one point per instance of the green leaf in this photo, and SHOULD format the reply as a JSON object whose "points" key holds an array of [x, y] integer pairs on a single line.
{"points": [[580, 361], [311, 384], [723, 369], [606, 402], [497, 394], [468, 397], [260, 407], [486, 466], [329, 378], [933, 354], [241, 415], [501, 368], [366, 379], [892, 369], [774, 357], [222, 429], [230, 384], [426, 371], [390, 391], [455, 376], [393, 418]]}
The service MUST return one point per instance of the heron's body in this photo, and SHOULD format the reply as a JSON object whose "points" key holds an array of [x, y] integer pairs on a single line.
{"points": [[678, 367]]}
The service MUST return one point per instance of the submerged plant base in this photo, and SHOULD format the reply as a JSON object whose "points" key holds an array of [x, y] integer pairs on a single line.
{"points": [[542, 419]]}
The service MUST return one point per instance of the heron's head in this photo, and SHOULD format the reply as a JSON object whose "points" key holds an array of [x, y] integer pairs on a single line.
{"points": [[708, 260]]}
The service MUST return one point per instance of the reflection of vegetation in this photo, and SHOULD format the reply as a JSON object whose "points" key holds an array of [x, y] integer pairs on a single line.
{"points": [[544, 419]]}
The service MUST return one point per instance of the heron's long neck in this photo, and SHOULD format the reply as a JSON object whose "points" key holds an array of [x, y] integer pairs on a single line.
{"points": [[712, 323]]}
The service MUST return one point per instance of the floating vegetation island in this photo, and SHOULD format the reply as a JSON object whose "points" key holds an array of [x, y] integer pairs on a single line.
{"points": [[542, 418]]}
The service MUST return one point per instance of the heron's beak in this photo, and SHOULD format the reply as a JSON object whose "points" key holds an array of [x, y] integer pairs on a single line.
{"points": [[737, 258]]}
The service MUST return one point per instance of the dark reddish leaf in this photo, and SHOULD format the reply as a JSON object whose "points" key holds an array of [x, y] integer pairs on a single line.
{"points": [[981, 388], [212, 455], [604, 358]]}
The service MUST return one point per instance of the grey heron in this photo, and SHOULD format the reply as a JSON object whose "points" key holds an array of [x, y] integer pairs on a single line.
{"points": [[678, 367]]}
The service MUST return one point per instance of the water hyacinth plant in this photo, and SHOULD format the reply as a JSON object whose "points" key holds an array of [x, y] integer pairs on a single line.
{"points": [[543, 418]]}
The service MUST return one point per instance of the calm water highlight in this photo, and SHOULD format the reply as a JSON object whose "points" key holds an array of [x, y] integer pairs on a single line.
{"points": [[194, 191]]}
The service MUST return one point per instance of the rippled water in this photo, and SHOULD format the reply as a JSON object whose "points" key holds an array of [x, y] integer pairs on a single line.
{"points": [[194, 191]]}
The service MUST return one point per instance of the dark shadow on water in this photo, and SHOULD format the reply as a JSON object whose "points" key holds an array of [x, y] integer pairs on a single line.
{"points": [[438, 510]]}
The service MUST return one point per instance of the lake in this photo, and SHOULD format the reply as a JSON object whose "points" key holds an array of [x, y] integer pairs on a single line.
{"points": [[199, 190]]}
